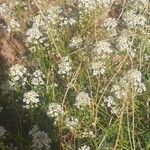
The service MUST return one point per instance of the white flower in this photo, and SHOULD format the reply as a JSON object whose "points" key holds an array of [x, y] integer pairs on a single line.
{"points": [[17, 71], [84, 147], [68, 21], [88, 134], [33, 34], [118, 90], [133, 77], [38, 21], [13, 25], [65, 66], [106, 3], [124, 45], [18, 75], [40, 139], [145, 2], [110, 23], [123, 42], [111, 104], [89, 5], [37, 78], [71, 122], [55, 110], [52, 14], [6, 87], [82, 100], [2, 131], [3, 9], [31, 99], [76, 42], [98, 67], [132, 19], [109, 100], [102, 48]]}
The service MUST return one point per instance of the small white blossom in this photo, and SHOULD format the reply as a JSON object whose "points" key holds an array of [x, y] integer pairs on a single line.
{"points": [[125, 45], [89, 5], [71, 122], [18, 75], [84, 147], [52, 14], [88, 134], [98, 67], [132, 19], [65, 66], [110, 23], [68, 21], [13, 25], [33, 34], [82, 100], [55, 110], [106, 3], [37, 78], [102, 48], [31, 99], [2, 131], [40, 139], [118, 90], [17, 71], [3, 9], [111, 104], [133, 77], [75, 42], [6, 87]]}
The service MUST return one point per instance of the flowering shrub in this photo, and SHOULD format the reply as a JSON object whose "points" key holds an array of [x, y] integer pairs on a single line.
{"points": [[84, 81]]}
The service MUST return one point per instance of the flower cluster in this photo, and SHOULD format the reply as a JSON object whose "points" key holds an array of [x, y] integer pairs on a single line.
{"points": [[34, 34], [84, 147], [89, 5], [21, 76], [31, 99], [98, 67], [133, 78], [3, 9], [132, 19], [110, 24], [87, 134], [55, 110], [76, 42], [65, 67], [52, 14], [111, 104], [88, 50], [40, 139], [82, 100], [13, 25], [71, 122], [17, 74], [2, 131], [103, 48], [102, 51], [37, 78]]}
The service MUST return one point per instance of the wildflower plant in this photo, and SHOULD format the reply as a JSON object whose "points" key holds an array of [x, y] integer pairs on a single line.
{"points": [[84, 81]]}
